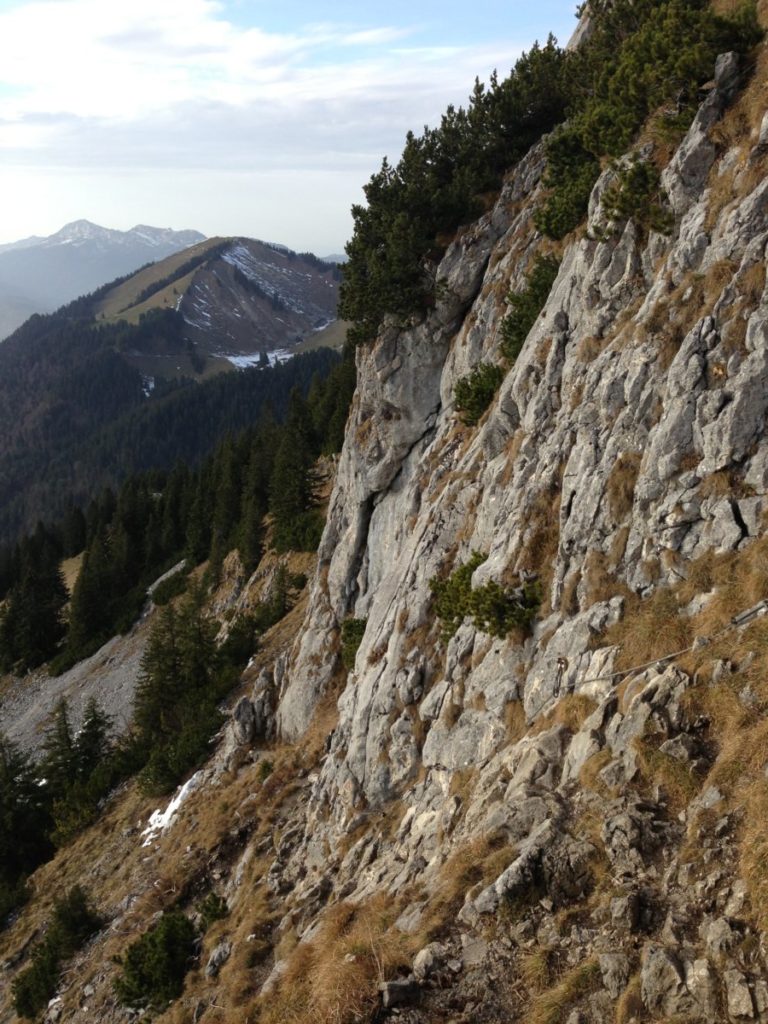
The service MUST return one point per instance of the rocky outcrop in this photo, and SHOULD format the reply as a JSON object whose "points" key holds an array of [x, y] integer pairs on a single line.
{"points": [[642, 385]]}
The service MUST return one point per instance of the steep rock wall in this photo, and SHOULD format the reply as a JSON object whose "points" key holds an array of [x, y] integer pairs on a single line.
{"points": [[613, 375], [642, 386]]}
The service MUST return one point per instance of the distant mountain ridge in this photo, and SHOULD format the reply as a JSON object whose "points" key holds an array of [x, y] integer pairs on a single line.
{"points": [[37, 275], [240, 300]]}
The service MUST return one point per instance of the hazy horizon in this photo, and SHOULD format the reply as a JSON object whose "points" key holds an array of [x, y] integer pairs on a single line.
{"points": [[230, 117]]}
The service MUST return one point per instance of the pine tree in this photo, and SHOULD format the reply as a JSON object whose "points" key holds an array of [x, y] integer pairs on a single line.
{"points": [[73, 532], [160, 686], [290, 490], [175, 704], [197, 645], [226, 510], [24, 819], [90, 609], [59, 764], [78, 769], [33, 624], [92, 743], [175, 509]]}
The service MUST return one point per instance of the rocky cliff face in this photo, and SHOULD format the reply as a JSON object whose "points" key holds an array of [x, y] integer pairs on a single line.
{"points": [[624, 451], [560, 825]]}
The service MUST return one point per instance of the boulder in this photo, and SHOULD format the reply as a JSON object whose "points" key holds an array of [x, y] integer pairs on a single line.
{"points": [[219, 956], [614, 968], [738, 996], [430, 960], [403, 992], [243, 722], [662, 983]]}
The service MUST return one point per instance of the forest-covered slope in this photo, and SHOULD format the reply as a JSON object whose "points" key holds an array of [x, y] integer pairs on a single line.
{"points": [[120, 380]]}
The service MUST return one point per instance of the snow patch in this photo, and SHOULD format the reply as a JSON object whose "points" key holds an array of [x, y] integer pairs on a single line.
{"points": [[280, 355], [159, 820]]}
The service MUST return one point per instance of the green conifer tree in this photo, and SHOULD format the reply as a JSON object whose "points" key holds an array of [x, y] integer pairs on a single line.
{"points": [[59, 764], [24, 822]]}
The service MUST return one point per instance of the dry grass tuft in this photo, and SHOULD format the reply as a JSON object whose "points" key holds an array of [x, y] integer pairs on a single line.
{"points": [[572, 711], [589, 774], [618, 548], [676, 778], [649, 630], [718, 485], [576, 397], [554, 1005], [569, 599], [511, 452], [629, 1006], [541, 540], [754, 844], [514, 719], [599, 582], [620, 487], [536, 968], [462, 783], [334, 978], [589, 349], [478, 862]]}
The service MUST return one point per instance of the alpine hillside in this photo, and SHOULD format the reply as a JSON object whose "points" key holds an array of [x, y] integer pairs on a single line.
{"points": [[497, 751], [242, 302], [142, 372]]}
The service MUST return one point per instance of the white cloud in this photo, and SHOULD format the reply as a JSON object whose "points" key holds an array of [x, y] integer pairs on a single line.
{"points": [[113, 102], [91, 59]]}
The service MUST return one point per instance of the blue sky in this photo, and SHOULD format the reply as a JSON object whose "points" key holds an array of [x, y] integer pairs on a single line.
{"points": [[448, 20], [239, 117]]}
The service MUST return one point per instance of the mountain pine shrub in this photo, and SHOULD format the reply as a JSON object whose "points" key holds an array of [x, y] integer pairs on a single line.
{"points": [[73, 923], [525, 306], [452, 595], [498, 611], [493, 609], [352, 631], [643, 56], [171, 587], [213, 908], [474, 393], [636, 194], [154, 966], [413, 209]]}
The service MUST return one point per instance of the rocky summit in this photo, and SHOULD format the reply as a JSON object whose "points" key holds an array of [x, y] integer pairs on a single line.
{"points": [[536, 791]]}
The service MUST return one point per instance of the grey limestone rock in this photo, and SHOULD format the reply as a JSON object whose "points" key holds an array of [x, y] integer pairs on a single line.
{"points": [[632, 831], [593, 470], [719, 937], [429, 961], [662, 980], [739, 997], [243, 722], [219, 956], [614, 968]]}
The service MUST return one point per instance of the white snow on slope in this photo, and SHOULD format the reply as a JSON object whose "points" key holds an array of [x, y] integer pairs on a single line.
{"points": [[280, 355], [159, 820]]}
